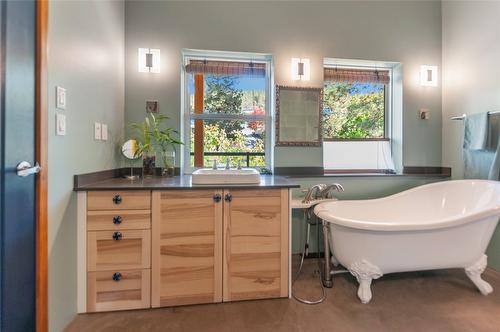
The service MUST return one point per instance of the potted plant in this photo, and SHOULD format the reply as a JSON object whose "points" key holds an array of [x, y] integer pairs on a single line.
{"points": [[152, 137], [165, 143], [145, 147]]}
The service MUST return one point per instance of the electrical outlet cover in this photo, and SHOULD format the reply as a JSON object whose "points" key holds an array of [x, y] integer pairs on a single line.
{"points": [[424, 114], [152, 106], [97, 131]]}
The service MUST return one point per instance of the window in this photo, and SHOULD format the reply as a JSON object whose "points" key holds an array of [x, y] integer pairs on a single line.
{"points": [[226, 110], [354, 103], [356, 117]]}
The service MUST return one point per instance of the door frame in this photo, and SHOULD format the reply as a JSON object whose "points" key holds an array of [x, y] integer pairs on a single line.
{"points": [[41, 148]]}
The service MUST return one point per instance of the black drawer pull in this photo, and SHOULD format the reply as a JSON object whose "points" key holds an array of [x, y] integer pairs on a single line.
{"points": [[117, 199], [117, 276], [228, 198], [117, 236], [117, 220], [217, 198]]}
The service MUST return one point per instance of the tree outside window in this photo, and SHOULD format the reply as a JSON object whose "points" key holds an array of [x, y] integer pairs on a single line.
{"points": [[353, 110]]}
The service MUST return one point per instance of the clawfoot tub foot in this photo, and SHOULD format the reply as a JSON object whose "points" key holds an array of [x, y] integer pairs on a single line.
{"points": [[474, 273], [365, 272]]}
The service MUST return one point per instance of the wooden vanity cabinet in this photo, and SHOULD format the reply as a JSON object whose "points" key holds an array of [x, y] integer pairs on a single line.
{"points": [[219, 245], [141, 249]]}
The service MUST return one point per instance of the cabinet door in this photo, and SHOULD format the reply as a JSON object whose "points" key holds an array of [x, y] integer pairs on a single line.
{"points": [[255, 244], [187, 247]]}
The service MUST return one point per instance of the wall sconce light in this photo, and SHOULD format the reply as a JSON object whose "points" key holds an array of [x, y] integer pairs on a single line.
{"points": [[428, 75], [301, 69], [149, 60]]}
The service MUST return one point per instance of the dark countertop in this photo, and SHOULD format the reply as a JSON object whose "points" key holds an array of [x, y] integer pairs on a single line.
{"points": [[176, 182]]}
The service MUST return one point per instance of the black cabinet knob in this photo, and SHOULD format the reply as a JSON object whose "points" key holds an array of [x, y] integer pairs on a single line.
{"points": [[117, 220], [117, 199], [117, 276], [117, 236], [217, 198], [228, 198]]}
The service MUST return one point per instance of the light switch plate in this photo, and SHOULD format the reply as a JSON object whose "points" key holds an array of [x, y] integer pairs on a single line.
{"points": [[104, 132], [60, 98], [60, 124], [97, 131]]}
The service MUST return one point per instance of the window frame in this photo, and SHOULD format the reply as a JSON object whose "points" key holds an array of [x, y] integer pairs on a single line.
{"points": [[187, 116], [393, 115], [388, 88]]}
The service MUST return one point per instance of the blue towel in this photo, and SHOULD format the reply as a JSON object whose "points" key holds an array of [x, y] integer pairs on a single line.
{"points": [[482, 150], [494, 140], [476, 131]]}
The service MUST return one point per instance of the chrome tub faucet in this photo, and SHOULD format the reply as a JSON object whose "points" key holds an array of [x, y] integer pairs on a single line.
{"points": [[327, 192], [313, 192]]}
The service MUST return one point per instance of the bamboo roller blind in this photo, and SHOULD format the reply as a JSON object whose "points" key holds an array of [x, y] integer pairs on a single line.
{"points": [[226, 68], [351, 75]]}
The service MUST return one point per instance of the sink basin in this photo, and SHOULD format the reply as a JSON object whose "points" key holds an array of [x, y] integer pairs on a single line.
{"points": [[226, 176]]}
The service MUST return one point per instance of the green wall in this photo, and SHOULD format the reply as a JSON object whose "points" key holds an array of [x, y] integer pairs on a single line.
{"points": [[86, 43]]}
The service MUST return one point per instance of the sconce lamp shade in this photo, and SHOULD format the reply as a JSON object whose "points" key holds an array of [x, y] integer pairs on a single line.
{"points": [[301, 69], [428, 75], [149, 60]]}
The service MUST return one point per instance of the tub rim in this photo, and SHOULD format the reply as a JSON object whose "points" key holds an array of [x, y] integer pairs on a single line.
{"points": [[454, 220]]}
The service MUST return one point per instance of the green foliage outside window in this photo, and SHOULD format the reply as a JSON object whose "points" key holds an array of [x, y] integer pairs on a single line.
{"points": [[222, 96], [353, 110]]}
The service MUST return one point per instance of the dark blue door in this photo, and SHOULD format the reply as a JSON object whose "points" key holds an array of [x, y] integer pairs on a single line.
{"points": [[17, 144]]}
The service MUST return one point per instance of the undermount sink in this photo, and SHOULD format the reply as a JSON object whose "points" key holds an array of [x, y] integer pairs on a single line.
{"points": [[226, 176]]}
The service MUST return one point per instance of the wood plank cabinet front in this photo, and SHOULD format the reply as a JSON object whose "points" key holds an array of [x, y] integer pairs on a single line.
{"points": [[256, 244], [162, 248], [187, 247], [219, 245]]}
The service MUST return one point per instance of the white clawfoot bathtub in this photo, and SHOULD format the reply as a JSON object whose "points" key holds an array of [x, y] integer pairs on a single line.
{"points": [[435, 226]]}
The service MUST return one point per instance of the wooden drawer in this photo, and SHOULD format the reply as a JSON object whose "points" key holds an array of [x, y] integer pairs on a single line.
{"points": [[111, 250], [119, 200], [118, 220], [118, 290]]}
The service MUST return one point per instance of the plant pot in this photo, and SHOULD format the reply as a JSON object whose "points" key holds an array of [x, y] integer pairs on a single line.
{"points": [[148, 165], [168, 159]]}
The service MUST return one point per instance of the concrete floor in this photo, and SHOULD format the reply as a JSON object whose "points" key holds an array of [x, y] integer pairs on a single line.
{"points": [[429, 301]]}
